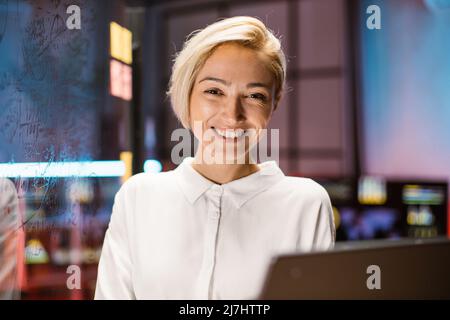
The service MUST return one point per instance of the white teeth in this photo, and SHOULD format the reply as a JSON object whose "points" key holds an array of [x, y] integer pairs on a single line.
{"points": [[230, 133]]}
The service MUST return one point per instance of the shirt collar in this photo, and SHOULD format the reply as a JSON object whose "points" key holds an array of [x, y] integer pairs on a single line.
{"points": [[193, 184]]}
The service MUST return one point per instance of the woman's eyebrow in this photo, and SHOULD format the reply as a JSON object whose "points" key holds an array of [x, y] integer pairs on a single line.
{"points": [[215, 79], [258, 84], [250, 85]]}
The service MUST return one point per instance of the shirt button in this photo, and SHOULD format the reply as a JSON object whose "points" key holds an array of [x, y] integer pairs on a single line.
{"points": [[214, 215], [217, 189]]}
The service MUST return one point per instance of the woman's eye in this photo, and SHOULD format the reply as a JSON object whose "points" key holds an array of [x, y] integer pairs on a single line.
{"points": [[258, 96], [213, 91]]}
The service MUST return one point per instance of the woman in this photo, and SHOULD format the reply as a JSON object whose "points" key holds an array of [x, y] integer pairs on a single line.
{"points": [[208, 229]]}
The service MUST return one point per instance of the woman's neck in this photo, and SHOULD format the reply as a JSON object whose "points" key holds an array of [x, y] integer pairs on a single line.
{"points": [[224, 173]]}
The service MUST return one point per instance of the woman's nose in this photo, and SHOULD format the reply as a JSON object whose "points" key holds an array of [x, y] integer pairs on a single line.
{"points": [[233, 110]]}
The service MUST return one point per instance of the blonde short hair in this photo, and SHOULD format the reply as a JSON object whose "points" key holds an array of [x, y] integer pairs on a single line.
{"points": [[247, 31]]}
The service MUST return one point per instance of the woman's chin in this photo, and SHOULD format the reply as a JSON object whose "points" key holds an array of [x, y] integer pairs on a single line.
{"points": [[219, 157]]}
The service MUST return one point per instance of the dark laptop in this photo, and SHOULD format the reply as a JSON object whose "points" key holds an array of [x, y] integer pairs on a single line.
{"points": [[389, 269]]}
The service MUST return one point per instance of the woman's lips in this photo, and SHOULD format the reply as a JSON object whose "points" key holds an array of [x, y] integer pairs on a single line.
{"points": [[229, 133]]}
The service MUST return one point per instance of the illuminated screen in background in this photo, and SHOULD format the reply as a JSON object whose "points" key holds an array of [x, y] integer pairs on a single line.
{"points": [[374, 223], [376, 208], [405, 70]]}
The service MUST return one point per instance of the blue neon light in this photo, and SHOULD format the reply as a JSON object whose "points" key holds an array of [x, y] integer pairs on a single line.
{"points": [[153, 166], [93, 169], [63, 169]]}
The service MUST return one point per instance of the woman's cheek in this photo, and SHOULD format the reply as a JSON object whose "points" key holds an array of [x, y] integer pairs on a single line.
{"points": [[208, 109], [259, 119]]}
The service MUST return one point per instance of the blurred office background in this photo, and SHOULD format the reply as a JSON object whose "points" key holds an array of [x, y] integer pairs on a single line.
{"points": [[366, 114]]}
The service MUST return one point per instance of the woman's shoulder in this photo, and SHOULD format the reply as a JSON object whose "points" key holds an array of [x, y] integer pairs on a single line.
{"points": [[306, 188]]}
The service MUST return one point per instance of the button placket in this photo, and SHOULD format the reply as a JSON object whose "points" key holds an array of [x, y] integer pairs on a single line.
{"points": [[214, 196]]}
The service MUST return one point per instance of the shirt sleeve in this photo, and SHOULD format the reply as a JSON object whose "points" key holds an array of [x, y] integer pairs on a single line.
{"points": [[325, 231], [316, 227], [114, 269]]}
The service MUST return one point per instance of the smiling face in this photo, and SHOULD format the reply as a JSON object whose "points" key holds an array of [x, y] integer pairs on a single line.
{"points": [[232, 98]]}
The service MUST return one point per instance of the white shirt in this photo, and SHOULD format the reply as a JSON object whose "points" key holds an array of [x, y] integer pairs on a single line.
{"points": [[177, 235]]}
